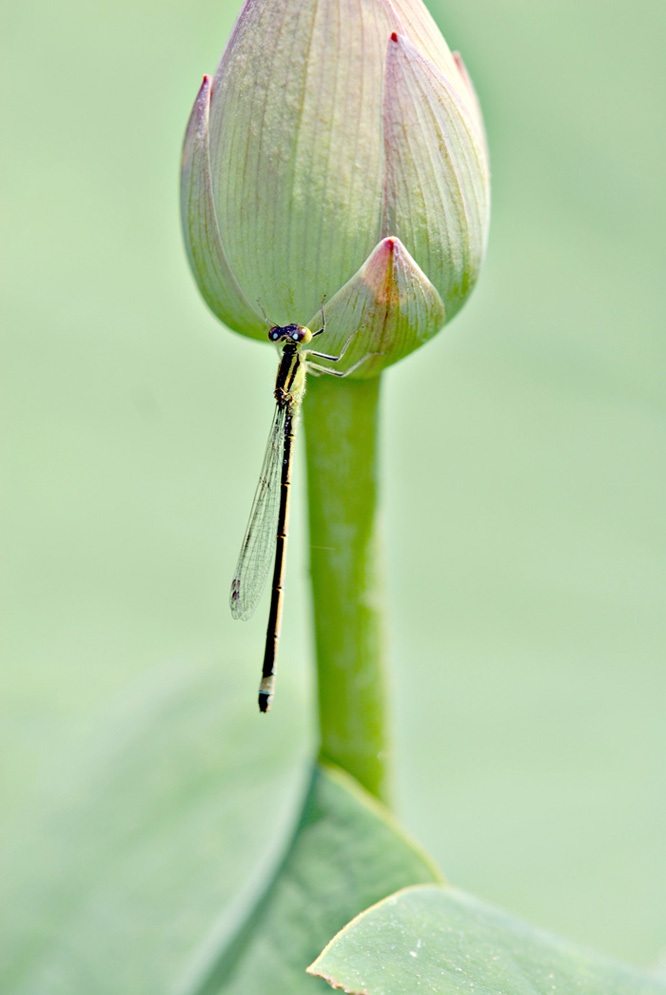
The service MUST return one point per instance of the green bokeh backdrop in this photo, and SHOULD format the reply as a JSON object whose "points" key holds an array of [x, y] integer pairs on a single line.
{"points": [[524, 464]]}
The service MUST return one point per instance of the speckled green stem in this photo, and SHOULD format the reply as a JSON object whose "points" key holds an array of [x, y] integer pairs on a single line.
{"points": [[341, 439]]}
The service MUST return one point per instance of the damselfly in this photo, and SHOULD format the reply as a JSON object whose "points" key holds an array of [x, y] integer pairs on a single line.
{"points": [[267, 528]]}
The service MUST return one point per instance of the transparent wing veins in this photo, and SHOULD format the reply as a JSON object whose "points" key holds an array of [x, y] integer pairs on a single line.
{"points": [[258, 549]]}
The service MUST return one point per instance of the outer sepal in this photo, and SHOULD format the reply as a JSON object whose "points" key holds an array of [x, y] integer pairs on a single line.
{"points": [[387, 309], [297, 154], [437, 189], [215, 278]]}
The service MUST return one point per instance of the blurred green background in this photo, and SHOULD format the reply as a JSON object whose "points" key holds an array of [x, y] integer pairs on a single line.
{"points": [[524, 487]]}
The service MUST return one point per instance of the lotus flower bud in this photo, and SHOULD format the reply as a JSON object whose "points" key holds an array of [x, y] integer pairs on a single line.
{"points": [[337, 156]]}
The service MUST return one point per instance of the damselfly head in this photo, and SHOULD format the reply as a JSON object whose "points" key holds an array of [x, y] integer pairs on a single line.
{"points": [[290, 333]]}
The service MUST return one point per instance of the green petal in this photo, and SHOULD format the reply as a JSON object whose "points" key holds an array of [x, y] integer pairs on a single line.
{"points": [[437, 189], [210, 266], [385, 311], [346, 852], [297, 154], [439, 940]]}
